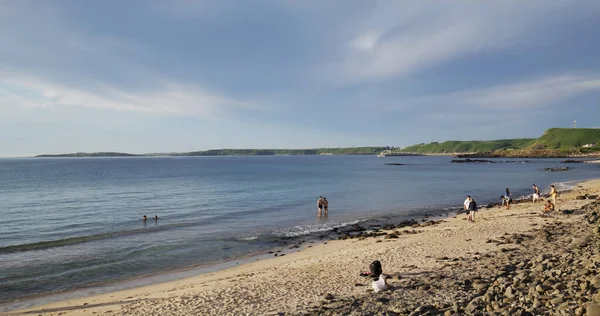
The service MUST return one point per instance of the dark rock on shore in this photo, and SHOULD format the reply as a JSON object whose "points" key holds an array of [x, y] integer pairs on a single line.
{"points": [[394, 164], [572, 161]]}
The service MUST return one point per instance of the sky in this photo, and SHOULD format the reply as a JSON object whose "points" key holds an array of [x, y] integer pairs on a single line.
{"points": [[173, 76]]}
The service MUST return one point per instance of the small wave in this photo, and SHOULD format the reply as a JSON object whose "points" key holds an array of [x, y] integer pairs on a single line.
{"points": [[567, 185], [41, 245], [249, 238]]}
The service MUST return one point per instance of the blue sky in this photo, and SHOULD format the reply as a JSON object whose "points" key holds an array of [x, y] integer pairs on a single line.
{"points": [[165, 76]]}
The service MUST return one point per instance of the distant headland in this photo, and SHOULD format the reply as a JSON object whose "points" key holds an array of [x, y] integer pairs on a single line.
{"points": [[238, 152], [554, 143]]}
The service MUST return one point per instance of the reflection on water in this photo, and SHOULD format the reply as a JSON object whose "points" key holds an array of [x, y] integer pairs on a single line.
{"points": [[323, 218]]}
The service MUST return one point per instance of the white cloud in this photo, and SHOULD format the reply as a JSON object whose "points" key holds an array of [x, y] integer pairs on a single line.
{"points": [[366, 42], [174, 98], [50, 63], [397, 39], [535, 93]]}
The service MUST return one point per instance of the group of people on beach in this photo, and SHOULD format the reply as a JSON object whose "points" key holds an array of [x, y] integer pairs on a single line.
{"points": [[470, 206], [551, 203]]}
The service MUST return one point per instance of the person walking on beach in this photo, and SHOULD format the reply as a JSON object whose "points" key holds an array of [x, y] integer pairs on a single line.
{"points": [[553, 195], [320, 205], [507, 198], [536, 193], [326, 205], [472, 210], [466, 205]]}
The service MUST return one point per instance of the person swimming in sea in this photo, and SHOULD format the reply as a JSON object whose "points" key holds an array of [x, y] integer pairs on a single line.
{"points": [[144, 218], [155, 217]]}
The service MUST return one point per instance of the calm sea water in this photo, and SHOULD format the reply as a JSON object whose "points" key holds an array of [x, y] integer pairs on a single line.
{"points": [[74, 223]]}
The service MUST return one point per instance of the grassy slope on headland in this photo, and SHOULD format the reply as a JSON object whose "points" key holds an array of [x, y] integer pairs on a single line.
{"points": [[555, 142]]}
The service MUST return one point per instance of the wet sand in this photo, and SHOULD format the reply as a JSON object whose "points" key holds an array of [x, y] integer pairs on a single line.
{"points": [[422, 262]]}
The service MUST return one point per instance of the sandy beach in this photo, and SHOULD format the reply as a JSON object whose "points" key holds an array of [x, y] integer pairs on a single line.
{"points": [[446, 267]]}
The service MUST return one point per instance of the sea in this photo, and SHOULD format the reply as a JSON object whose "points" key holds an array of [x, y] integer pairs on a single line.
{"points": [[71, 226]]}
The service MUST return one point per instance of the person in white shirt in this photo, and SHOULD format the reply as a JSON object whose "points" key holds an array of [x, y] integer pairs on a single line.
{"points": [[536, 193], [466, 204]]}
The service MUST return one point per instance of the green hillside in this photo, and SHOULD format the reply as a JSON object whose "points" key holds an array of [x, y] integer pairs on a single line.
{"points": [[563, 139], [567, 138], [455, 146]]}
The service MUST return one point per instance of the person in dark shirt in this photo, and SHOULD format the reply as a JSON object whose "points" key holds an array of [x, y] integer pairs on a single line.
{"points": [[472, 210]]}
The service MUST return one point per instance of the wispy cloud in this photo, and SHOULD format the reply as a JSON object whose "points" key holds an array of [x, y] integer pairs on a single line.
{"points": [[401, 38], [534, 93], [56, 65], [540, 92], [169, 97]]}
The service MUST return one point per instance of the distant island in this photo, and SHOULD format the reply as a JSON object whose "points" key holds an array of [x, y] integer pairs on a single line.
{"points": [[98, 154], [238, 152]]}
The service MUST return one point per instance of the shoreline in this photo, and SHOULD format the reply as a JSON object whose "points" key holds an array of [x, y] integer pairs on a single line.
{"points": [[137, 300]]}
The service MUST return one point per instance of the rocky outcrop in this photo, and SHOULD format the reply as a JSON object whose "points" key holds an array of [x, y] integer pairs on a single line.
{"points": [[526, 153]]}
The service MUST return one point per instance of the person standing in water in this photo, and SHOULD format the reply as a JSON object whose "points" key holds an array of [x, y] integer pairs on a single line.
{"points": [[553, 195], [326, 205], [320, 205]]}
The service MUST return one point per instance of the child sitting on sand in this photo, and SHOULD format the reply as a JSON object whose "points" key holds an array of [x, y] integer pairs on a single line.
{"points": [[548, 207]]}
